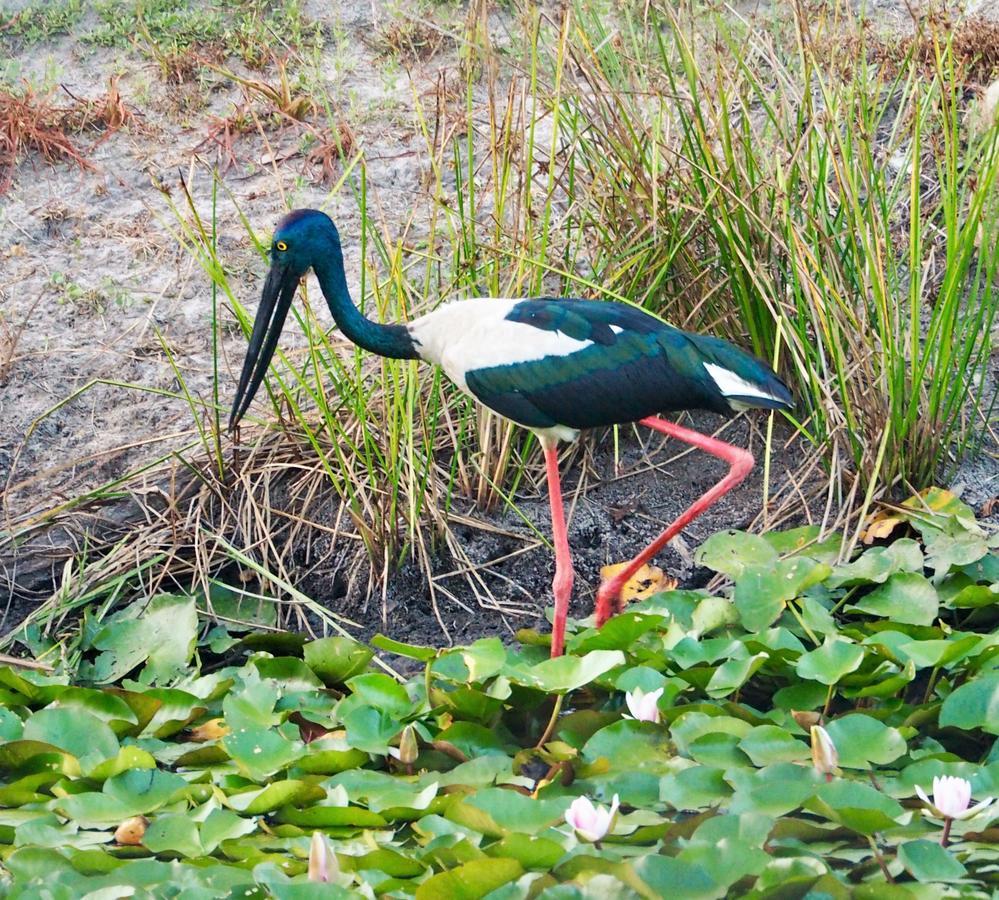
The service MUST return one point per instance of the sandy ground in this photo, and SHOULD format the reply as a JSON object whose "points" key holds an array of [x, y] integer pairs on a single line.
{"points": [[97, 295]]}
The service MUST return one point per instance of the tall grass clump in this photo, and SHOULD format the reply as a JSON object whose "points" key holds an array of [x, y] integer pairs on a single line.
{"points": [[834, 213]]}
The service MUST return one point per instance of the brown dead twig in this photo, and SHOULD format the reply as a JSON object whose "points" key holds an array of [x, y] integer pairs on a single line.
{"points": [[31, 122]]}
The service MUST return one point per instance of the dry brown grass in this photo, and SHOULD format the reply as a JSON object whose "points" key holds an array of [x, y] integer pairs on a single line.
{"points": [[410, 40], [33, 122], [975, 47], [108, 112], [284, 95]]}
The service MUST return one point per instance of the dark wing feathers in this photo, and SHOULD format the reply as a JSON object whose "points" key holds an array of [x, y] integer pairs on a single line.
{"points": [[643, 368]]}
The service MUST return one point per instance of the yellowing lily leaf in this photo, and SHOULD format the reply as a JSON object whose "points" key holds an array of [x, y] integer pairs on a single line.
{"points": [[131, 832], [646, 582], [211, 730]]}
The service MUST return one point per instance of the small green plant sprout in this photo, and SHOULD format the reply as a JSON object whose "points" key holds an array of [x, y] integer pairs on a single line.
{"points": [[591, 822], [825, 759], [951, 801], [644, 707]]}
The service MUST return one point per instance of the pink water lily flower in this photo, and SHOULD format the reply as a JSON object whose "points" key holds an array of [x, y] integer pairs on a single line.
{"points": [[951, 801], [590, 822], [952, 798], [643, 707]]}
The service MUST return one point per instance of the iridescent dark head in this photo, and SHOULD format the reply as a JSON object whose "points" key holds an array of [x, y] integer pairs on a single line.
{"points": [[301, 237]]}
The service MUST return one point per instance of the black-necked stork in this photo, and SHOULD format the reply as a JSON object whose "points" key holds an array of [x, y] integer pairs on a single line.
{"points": [[555, 366]]}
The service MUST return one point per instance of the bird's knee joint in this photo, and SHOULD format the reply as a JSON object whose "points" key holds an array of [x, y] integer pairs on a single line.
{"points": [[563, 582], [742, 464]]}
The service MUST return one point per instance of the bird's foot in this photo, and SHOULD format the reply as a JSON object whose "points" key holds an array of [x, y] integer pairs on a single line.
{"points": [[616, 590]]}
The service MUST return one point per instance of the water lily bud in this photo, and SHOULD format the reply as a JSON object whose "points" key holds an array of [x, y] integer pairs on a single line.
{"points": [[323, 865], [131, 832], [806, 718], [952, 798], [591, 823], [409, 748], [824, 755], [644, 707]]}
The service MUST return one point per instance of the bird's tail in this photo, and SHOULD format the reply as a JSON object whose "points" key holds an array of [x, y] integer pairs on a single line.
{"points": [[742, 380]]}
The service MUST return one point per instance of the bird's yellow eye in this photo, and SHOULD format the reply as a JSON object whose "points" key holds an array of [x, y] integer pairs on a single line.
{"points": [[282, 246]]}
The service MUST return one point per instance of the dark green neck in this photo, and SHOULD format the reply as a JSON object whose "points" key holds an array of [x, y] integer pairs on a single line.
{"points": [[385, 340]]}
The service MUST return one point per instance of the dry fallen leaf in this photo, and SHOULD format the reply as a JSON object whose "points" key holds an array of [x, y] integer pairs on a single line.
{"points": [[879, 526], [211, 730], [646, 582], [131, 831]]}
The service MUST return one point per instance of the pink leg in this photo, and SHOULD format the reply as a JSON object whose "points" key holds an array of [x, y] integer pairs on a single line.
{"points": [[740, 463], [562, 585]]}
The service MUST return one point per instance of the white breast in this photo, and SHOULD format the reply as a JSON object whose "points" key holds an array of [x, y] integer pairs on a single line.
{"points": [[475, 334]]}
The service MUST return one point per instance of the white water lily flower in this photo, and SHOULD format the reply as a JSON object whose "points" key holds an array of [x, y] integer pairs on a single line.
{"points": [[952, 798], [643, 707], [590, 822], [825, 758]]}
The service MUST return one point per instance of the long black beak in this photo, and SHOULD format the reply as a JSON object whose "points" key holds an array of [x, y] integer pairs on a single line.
{"points": [[279, 290]]}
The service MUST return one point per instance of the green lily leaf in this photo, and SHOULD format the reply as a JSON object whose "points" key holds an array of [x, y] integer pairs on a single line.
{"points": [[472, 665], [619, 633], [174, 835], [732, 675], [762, 590], [471, 881], [566, 673], [74, 731], [769, 744], [972, 705], [260, 752], [499, 812], [274, 796], [905, 597], [862, 740], [161, 633], [830, 662], [411, 651], [223, 825], [742, 836], [694, 788], [337, 659], [856, 806], [731, 552], [927, 861], [666, 876]]}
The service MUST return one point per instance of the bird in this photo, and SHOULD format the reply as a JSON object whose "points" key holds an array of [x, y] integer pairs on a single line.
{"points": [[553, 365]]}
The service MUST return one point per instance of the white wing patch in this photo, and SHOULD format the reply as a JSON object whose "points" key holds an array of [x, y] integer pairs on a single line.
{"points": [[475, 334], [731, 385]]}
